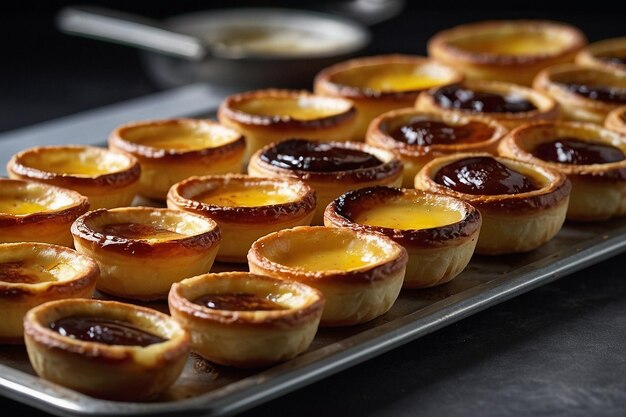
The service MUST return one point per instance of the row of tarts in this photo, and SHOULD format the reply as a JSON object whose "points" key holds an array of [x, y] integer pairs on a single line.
{"points": [[486, 166]]}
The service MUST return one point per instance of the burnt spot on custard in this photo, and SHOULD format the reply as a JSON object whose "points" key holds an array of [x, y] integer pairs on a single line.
{"points": [[459, 97], [104, 330], [569, 150]]}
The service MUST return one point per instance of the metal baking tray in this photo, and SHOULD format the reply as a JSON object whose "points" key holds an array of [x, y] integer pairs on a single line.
{"points": [[205, 389]]}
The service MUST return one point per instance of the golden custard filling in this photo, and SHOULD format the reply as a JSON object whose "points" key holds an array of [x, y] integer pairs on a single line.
{"points": [[31, 198], [300, 108], [408, 215], [79, 161], [247, 195], [140, 231], [521, 44], [179, 137], [16, 206], [29, 272], [398, 82]]}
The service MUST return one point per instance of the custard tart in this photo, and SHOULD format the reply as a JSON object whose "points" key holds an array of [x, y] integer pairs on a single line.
{"points": [[170, 151], [330, 169], [360, 273], [34, 273], [246, 320], [509, 104], [585, 94], [592, 157], [418, 137], [36, 212], [266, 116], [246, 208], [506, 50], [142, 251], [438, 232], [522, 205], [608, 54], [109, 179], [106, 349], [382, 83], [616, 120]]}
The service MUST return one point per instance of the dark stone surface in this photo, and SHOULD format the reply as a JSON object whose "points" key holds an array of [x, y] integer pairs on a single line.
{"points": [[556, 351]]}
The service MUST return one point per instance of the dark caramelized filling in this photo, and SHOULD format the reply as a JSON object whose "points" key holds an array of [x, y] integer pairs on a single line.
{"points": [[457, 97], [311, 156], [428, 132], [573, 151], [138, 231], [107, 331], [483, 176], [239, 301], [614, 59], [14, 272], [598, 92]]}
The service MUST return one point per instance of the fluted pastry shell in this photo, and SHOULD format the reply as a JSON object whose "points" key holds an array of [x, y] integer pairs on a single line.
{"points": [[512, 223], [266, 116], [353, 80], [616, 120], [247, 338], [506, 50], [242, 225], [364, 287], [436, 254], [172, 150], [547, 108], [575, 107], [37, 212], [34, 273], [591, 55], [414, 157], [115, 372], [330, 185], [144, 268], [108, 179], [598, 190]]}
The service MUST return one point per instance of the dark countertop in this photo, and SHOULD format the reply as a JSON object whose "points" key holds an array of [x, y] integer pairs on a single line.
{"points": [[558, 350]]}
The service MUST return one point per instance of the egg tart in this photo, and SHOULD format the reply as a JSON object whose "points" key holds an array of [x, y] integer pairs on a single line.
{"points": [[382, 83], [360, 273], [506, 50], [35, 212], [438, 232], [608, 54], [172, 150], [142, 251], [106, 349], [418, 137], [330, 169], [593, 158], [266, 116], [34, 273], [246, 320], [585, 94], [522, 205], [245, 207], [616, 120], [109, 179], [509, 104]]}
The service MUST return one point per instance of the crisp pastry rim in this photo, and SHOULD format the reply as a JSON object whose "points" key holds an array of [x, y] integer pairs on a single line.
{"points": [[176, 343], [445, 235], [83, 279], [118, 141], [544, 82], [556, 190], [383, 270], [388, 169], [440, 42], [124, 177], [197, 242], [613, 171], [228, 110], [616, 120], [323, 80], [305, 203], [378, 134], [289, 317], [68, 213], [588, 56], [546, 106]]}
